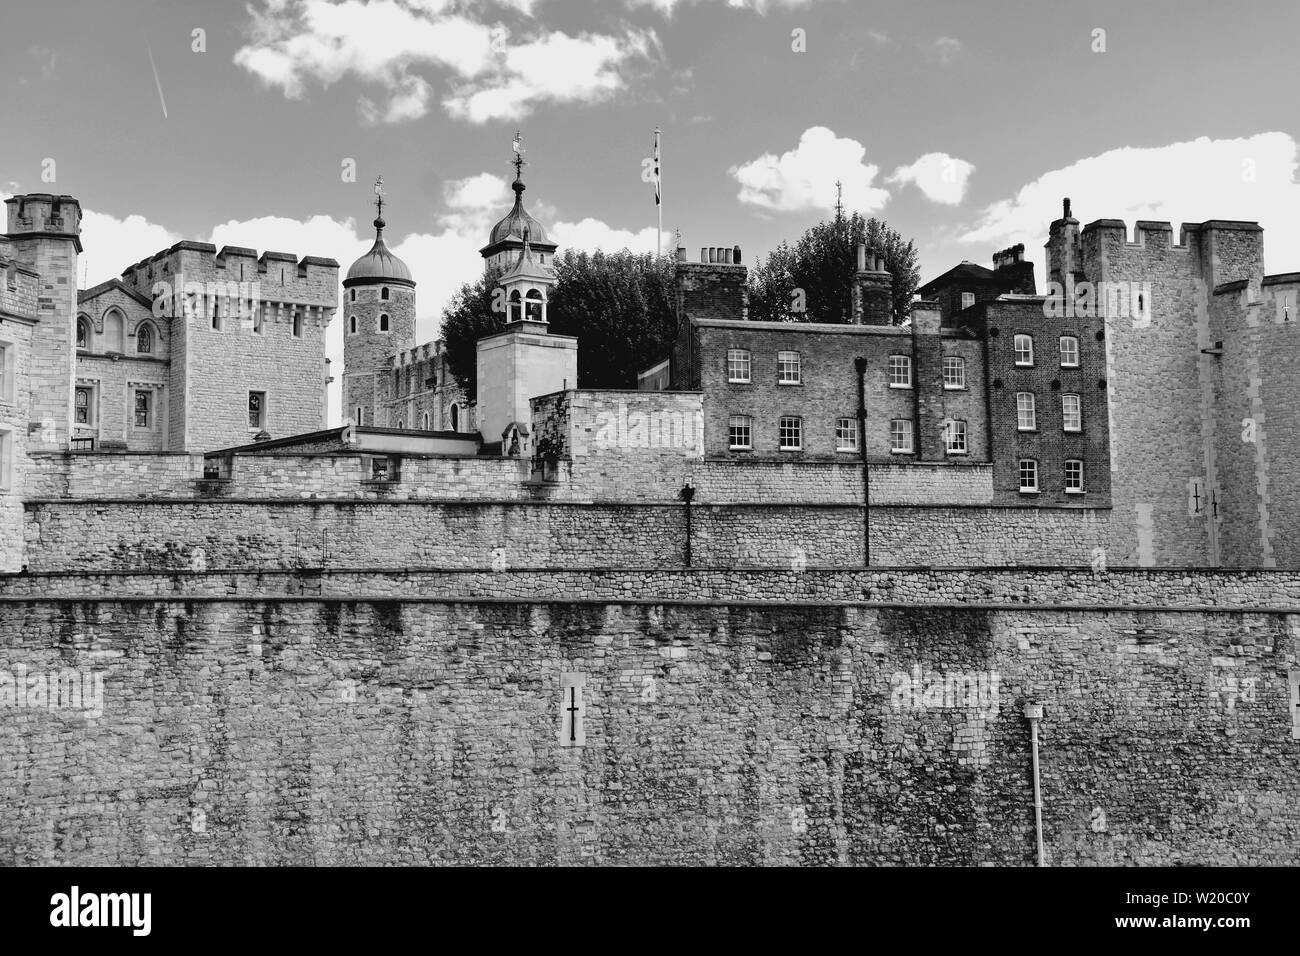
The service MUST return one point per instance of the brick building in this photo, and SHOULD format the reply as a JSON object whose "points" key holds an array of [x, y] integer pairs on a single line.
{"points": [[997, 382], [966, 284]]}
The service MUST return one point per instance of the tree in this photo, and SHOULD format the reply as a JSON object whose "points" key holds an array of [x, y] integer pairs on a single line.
{"points": [[822, 263], [619, 305]]}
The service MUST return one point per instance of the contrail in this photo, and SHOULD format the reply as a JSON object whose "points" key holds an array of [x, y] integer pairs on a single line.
{"points": [[155, 78]]}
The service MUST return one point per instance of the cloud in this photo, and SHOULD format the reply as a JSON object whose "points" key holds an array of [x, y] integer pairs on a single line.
{"points": [[760, 7], [491, 74], [804, 178], [942, 178], [1251, 178], [592, 234], [946, 49], [112, 244]]}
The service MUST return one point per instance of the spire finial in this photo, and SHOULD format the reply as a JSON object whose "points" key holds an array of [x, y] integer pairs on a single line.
{"points": [[839, 200], [518, 147], [379, 204]]}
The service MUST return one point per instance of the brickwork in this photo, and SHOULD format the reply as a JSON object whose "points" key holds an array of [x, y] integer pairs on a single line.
{"points": [[733, 733], [43, 234], [1048, 380]]}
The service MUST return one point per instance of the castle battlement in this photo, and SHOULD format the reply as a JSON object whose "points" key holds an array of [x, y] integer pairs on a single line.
{"points": [[280, 276]]}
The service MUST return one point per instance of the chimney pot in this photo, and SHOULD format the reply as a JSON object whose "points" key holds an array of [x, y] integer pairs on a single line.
{"points": [[736, 255], [713, 253], [704, 254], [726, 253], [681, 253], [1067, 208], [862, 257]]}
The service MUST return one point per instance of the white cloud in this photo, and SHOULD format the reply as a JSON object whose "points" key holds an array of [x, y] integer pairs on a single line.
{"points": [[552, 68], [760, 7], [947, 49], [382, 42], [804, 178], [592, 234], [1182, 182], [112, 244], [942, 178]]}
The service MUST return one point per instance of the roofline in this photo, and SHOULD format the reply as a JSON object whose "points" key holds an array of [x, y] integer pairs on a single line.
{"points": [[798, 326], [377, 280], [114, 283]]}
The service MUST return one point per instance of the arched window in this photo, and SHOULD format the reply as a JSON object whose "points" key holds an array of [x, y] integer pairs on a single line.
{"points": [[353, 293], [144, 339], [401, 424], [383, 322], [297, 325], [113, 331], [424, 422], [455, 417], [383, 293], [534, 306], [515, 310], [352, 324], [83, 333]]}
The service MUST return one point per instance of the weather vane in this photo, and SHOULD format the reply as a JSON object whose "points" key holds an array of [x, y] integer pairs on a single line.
{"points": [[839, 200], [379, 197], [518, 146]]}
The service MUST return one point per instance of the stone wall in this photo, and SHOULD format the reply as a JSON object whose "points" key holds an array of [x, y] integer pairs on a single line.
{"points": [[386, 532], [432, 730]]}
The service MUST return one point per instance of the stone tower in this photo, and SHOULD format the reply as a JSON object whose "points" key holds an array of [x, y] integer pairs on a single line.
{"points": [[378, 311], [44, 233], [524, 361]]}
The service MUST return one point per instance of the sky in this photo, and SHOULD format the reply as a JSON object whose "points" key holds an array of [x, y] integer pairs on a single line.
{"points": [[961, 123]]}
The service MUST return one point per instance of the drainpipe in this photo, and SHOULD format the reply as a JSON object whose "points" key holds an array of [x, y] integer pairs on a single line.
{"points": [[1034, 713], [860, 365], [686, 494]]}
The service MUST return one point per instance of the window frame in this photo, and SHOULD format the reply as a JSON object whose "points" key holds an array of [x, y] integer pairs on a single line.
{"points": [[964, 297], [905, 364], [961, 367], [1017, 350], [1020, 476], [92, 405], [8, 372], [749, 366], [851, 431], [1020, 412], [958, 428], [1082, 488], [894, 447], [264, 414], [1061, 350], [781, 430], [144, 329], [783, 366], [151, 408], [7, 443], [383, 323], [738, 422], [1078, 411]]}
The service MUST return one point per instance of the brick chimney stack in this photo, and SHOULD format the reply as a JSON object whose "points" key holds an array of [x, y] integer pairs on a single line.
{"points": [[873, 290], [716, 287]]}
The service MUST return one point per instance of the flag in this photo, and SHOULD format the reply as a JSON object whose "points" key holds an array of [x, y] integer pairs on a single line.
{"points": [[658, 199]]}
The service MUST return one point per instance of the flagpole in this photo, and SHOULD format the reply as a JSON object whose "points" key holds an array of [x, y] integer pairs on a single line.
{"points": [[659, 186]]}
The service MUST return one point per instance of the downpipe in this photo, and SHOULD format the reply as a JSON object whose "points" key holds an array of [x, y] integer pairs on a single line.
{"points": [[1034, 713]]}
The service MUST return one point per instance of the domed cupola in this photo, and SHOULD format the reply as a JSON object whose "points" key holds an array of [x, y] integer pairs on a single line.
{"points": [[506, 240], [379, 265]]}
